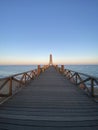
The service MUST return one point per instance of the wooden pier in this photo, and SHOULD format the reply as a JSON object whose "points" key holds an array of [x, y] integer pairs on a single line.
{"points": [[49, 102]]}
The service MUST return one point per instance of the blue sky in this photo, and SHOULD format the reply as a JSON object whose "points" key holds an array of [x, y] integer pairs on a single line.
{"points": [[31, 30]]}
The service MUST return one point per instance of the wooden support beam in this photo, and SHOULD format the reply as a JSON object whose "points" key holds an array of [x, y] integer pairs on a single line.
{"points": [[72, 75], [87, 79], [92, 87], [4, 84], [29, 77], [62, 68], [81, 80], [25, 78], [20, 78], [76, 76], [19, 81], [33, 74], [10, 86], [38, 70]]}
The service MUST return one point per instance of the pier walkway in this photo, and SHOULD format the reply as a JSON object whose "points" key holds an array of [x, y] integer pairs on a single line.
{"points": [[50, 102]]}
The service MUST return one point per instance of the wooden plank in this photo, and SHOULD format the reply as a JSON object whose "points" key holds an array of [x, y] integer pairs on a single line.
{"points": [[24, 124], [50, 102], [4, 95]]}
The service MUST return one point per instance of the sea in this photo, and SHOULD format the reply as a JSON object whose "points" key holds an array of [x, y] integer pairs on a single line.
{"points": [[8, 70], [91, 70]]}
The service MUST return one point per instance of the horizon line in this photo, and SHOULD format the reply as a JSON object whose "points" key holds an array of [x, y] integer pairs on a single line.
{"points": [[53, 64]]}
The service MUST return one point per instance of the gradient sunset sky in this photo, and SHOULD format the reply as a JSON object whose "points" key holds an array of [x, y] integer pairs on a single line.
{"points": [[31, 30]]}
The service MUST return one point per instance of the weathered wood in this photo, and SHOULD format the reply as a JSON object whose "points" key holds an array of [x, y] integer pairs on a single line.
{"points": [[49, 102], [72, 75], [4, 83], [77, 78], [29, 77], [62, 68], [23, 78], [92, 87], [19, 81], [10, 87], [82, 84], [83, 81], [17, 74], [38, 70]]}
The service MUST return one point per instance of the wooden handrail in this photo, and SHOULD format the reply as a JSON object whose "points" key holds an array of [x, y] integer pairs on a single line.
{"points": [[15, 80], [18, 80], [81, 79], [83, 74], [17, 74]]}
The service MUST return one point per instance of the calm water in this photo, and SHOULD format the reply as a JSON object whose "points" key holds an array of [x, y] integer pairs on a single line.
{"points": [[7, 70], [86, 69]]}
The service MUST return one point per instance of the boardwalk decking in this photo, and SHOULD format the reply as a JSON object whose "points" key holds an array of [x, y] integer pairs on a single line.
{"points": [[50, 102]]}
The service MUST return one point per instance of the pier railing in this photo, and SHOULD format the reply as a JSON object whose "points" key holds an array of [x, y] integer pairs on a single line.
{"points": [[10, 85], [86, 82]]}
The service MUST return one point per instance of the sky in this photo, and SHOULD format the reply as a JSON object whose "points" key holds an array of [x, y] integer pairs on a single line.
{"points": [[31, 30]]}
